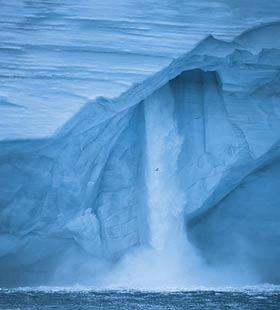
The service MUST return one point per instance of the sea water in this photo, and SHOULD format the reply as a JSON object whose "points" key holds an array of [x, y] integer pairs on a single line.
{"points": [[261, 297]]}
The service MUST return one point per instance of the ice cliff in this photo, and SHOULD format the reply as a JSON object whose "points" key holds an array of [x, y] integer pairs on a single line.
{"points": [[191, 153]]}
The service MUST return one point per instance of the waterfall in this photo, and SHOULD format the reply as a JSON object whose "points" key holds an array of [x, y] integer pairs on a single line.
{"points": [[168, 260], [165, 200]]}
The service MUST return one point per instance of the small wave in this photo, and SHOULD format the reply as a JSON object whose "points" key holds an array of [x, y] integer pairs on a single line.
{"points": [[250, 289]]}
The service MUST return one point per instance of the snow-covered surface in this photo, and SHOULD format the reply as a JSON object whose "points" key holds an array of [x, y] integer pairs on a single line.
{"points": [[182, 128], [57, 55]]}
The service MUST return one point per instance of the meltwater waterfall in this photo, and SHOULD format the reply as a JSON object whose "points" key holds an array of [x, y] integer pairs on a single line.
{"points": [[165, 200], [168, 260]]}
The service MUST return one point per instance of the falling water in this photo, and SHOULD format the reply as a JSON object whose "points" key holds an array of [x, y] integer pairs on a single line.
{"points": [[165, 200], [169, 259]]}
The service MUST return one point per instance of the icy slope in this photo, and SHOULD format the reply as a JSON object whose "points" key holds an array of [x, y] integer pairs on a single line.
{"points": [[74, 203]]}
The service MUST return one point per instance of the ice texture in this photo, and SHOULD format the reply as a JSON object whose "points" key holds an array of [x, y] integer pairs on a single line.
{"points": [[57, 55], [189, 145]]}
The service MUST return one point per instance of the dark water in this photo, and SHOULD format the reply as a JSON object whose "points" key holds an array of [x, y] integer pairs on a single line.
{"points": [[93, 299]]}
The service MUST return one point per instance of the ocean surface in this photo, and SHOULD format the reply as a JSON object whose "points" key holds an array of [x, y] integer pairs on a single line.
{"points": [[264, 297]]}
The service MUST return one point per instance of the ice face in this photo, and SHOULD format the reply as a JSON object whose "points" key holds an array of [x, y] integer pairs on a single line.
{"points": [[58, 55], [190, 154]]}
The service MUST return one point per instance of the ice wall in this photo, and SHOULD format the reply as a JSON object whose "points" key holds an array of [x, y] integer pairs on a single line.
{"points": [[57, 55], [190, 153]]}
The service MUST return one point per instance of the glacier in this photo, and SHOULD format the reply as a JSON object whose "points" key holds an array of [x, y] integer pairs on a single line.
{"points": [[170, 178]]}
